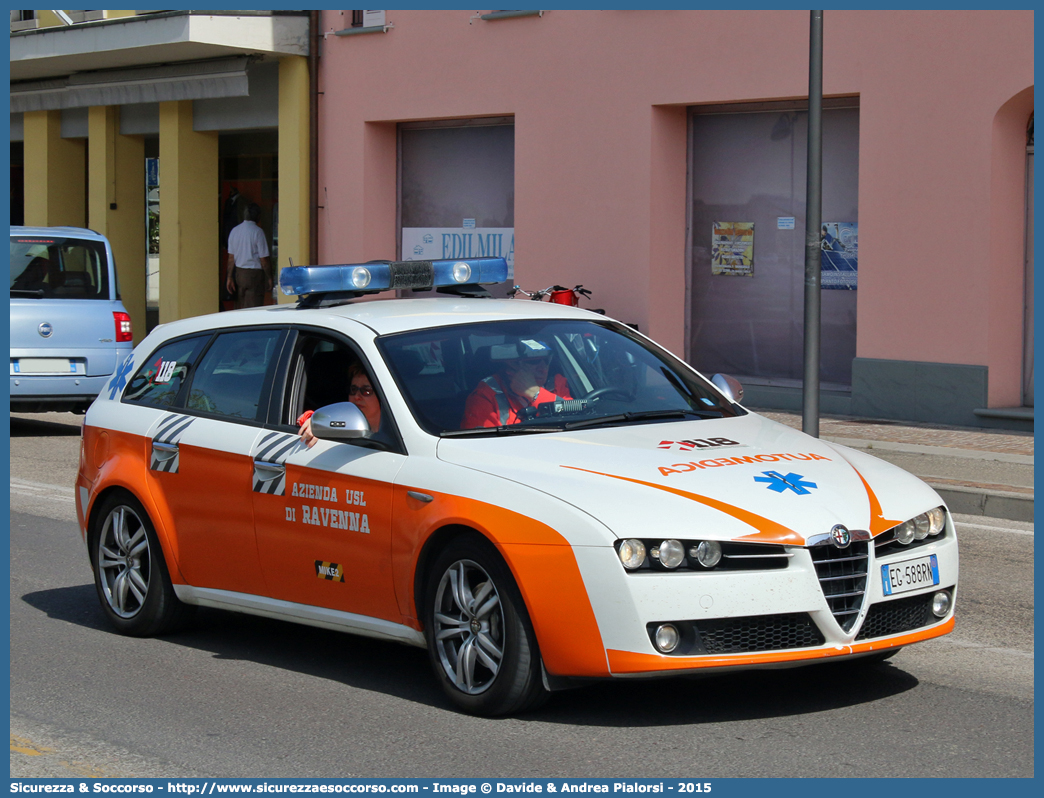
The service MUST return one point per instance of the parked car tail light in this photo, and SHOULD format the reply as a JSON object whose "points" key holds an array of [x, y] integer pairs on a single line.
{"points": [[123, 325]]}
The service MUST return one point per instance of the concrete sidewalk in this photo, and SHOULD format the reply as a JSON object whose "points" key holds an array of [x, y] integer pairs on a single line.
{"points": [[976, 471]]}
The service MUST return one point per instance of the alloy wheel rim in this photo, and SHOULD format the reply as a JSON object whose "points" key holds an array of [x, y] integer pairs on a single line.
{"points": [[124, 561], [469, 627]]}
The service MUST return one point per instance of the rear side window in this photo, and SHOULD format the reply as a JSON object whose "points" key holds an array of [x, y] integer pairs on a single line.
{"points": [[230, 378], [158, 381], [58, 268]]}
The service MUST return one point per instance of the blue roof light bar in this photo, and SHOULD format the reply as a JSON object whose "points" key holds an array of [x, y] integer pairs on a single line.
{"points": [[371, 278]]}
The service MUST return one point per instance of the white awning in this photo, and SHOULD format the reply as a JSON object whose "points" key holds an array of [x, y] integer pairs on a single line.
{"points": [[193, 80]]}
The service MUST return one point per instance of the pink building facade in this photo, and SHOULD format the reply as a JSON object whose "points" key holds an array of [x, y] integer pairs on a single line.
{"points": [[612, 148]]}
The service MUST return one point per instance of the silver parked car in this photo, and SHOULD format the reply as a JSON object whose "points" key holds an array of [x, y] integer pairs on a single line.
{"points": [[69, 329]]}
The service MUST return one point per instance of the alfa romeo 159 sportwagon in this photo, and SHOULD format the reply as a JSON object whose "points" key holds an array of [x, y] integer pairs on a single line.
{"points": [[537, 494]]}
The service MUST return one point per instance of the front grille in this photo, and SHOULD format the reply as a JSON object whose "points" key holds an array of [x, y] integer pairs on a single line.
{"points": [[759, 633], [842, 575], [894, 617]]}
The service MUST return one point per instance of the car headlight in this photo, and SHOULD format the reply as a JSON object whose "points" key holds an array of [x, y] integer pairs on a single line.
{"points": [[905, 532], [671, 553], [936, 521], [632, 553], [927, 524], [921, 526], [707, 553]]}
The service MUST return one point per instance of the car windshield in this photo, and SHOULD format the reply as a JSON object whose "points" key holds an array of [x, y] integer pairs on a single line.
{"points": [[511, 377], [58, 267]]}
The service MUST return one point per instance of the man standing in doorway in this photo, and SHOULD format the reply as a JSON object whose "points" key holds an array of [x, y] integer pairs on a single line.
{"points": [[249, 273]]}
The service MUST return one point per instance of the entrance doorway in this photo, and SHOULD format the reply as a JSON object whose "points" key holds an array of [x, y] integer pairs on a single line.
{"points": [[17, 184], [248, 166]]}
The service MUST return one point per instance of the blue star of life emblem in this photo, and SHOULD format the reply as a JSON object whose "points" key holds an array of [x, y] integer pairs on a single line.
{"points": [[119, 379], [779, 483]]}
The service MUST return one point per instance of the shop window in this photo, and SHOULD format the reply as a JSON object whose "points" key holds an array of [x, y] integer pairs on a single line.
{"points": [[457, 190], [747, 239]]}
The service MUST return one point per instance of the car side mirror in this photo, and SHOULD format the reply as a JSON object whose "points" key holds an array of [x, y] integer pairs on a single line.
{"points": [[729, 386], [340, 422]]}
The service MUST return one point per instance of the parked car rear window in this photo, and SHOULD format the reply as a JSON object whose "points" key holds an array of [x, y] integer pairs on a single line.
{"points": [[58, 268]]}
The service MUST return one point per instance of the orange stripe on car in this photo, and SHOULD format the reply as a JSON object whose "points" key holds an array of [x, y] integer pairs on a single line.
{"points": [[769, 531], [622, 662], [878, 523]]}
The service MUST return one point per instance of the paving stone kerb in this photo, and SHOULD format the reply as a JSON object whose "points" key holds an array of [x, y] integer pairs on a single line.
{"points": [[975, 496]]}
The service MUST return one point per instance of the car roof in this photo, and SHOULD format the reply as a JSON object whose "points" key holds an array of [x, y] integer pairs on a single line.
{"points": [[69, 232], [387, 316]]}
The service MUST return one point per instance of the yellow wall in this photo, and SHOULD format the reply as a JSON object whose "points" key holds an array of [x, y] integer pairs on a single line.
{"points": [[294, 205], [47, 19], [189, 216], [53, 173], [116, 204]]}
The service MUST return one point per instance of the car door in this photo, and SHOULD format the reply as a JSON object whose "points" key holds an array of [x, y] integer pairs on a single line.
{"points": [[200, 457], [323, 514]]}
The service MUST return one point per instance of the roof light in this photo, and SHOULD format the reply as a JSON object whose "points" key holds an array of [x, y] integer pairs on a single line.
{"points": [[461, 272], [387, 275]]}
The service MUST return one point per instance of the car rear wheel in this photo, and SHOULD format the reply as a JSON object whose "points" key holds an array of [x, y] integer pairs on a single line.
{"points": [[129, 572], [480, 640]]}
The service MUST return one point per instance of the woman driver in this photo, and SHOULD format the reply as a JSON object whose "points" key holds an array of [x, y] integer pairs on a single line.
{"points": [[360, 394]]}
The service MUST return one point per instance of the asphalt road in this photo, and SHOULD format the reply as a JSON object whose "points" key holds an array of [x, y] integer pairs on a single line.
{"points": [[236, 696]]}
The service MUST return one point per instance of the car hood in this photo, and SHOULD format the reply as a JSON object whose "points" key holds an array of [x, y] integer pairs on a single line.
{"points": [[745, 478]]}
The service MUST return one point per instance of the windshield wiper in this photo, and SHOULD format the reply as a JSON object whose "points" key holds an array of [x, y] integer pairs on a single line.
{"points": [[35, 293], [511, 429], [647, 415]]}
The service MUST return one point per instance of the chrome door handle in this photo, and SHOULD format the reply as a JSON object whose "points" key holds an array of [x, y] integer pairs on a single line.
{"points": [[266, 472], [164, 451]]}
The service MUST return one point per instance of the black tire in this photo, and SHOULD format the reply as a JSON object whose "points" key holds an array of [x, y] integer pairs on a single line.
{"points": [[480, 640], [130, 574]]}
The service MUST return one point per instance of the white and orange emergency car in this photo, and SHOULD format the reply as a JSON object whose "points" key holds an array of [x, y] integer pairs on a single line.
{"points": [[635, 521]]}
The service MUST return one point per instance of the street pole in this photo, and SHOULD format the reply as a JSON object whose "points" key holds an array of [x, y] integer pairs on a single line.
{"points": [[813, 222]]}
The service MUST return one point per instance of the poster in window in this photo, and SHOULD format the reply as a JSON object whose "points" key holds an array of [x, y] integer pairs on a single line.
{"points": [[839, 242], [732, 248], [442, 243]]}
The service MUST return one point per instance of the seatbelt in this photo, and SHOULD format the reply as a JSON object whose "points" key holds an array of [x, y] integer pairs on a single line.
{"points": [[502, 402]]}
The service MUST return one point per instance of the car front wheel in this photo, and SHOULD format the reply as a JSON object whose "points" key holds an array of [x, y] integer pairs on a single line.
{"points": [[129, 572], [479, 637]]}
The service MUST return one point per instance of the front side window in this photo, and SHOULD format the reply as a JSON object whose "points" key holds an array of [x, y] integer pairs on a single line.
{"points": [[58, 268], [159, 380], [230, 379], [546, 375], [324, 370]]}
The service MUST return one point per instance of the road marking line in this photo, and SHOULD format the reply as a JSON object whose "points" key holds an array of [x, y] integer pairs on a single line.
{"points": [[40, 490], [22, 746], [964, 524]]}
